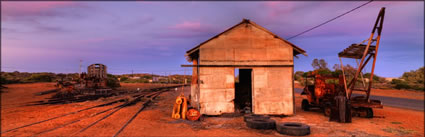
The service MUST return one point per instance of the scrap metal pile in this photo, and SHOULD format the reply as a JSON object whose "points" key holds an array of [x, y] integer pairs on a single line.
{"points": [[88, 86]]}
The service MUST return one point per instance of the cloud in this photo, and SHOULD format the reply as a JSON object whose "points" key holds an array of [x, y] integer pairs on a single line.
{"points": [[192, 26], [96, 40], [295, 17], [187, 29], [276, 9], [187, 25], [37, 15], [175, 34], [139, 21], [8, 30], [14, 10]]}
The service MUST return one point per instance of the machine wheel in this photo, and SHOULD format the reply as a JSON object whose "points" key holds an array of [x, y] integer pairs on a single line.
{"points": [[326, 111], [293, 129], [305, 105], [261, 123], [369, 113]]}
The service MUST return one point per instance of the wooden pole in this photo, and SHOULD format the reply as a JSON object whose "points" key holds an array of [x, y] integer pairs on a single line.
{"points": [[381, 21], [361, 75], [343, 75]]}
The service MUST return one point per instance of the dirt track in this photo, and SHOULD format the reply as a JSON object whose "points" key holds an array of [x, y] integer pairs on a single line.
{"points": [[156, 119]]}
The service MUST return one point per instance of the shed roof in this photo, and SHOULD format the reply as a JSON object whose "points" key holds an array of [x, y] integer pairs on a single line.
{"points": [[297, 50]]}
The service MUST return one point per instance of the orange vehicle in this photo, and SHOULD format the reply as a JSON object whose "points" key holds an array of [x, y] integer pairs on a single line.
{"points": [[320, 91]]}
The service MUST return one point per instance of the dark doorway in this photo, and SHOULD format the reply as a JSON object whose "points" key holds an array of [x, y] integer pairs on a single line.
{"points": [[243, 88]]}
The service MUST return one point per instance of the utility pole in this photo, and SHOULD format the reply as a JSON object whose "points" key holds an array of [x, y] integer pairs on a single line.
{"points": [[165, 74], [184, 77], [80, 66], [169, 80]]}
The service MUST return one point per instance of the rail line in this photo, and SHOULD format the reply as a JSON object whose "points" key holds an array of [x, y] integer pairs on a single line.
{"points": [[144, 105], [63, 115], [93, 115], [106, 116], [137, 97]]}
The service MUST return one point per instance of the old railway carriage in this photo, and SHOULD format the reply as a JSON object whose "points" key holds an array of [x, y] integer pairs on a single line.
{"points": [[263, 63]]}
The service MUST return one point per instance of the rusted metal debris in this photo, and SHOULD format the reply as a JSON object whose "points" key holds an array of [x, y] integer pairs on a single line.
{"points": [[356, 51], [96, 77], [88, 86]]}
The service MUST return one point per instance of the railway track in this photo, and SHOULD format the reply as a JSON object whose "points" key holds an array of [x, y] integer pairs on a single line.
{"points": [[144, 105], [147, 96]]}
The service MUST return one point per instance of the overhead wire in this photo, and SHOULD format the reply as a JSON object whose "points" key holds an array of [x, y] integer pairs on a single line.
{"points": [[364, 4]]}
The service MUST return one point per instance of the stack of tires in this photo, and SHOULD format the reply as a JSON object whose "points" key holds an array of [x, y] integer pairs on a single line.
{"points": [[286, 128]]}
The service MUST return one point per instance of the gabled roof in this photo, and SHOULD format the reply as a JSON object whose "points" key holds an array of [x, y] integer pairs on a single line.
{"points": [[297, 50]]}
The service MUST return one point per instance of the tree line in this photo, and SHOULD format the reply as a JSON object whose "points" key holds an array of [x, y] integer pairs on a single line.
{"points": [[25, 77], [413, 80]]}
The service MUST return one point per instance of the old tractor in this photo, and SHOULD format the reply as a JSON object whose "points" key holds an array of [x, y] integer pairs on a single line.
{"points": [[320, 91], [323, 91]]}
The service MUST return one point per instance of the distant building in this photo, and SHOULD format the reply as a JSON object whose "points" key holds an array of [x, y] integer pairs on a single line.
{"points": [[134, 77], [390, 79], [157, 79]]}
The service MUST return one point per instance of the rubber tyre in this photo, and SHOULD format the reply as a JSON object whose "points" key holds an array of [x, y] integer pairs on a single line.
{"points": [[369, 113], [261, 123], [253, 116], [305, 105], [293, 128], [326, 111]]}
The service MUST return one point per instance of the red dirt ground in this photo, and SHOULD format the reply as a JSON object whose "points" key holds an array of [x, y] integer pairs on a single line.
{"points": [[156, 120]]}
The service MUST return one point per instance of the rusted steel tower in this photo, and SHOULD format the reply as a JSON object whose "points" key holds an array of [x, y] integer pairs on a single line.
{"points": [[364, 53], [97, 71]]}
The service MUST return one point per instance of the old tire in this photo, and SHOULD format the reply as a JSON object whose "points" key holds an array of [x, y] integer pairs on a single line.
{"points": [[369, 113], [326, 111], [253, 116], [305, 105], [293, 128], [261, 123]]}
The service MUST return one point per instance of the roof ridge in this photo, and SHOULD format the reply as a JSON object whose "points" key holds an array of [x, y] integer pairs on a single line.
{"points": [[244, 20]]}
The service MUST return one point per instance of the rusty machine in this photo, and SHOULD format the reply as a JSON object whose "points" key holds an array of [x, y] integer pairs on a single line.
{"points": [[320, 91], [330, 96]]}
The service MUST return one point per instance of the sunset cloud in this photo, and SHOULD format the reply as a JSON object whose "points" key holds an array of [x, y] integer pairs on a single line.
{"points": [[193, 26], [25, 9], [154, 36]]}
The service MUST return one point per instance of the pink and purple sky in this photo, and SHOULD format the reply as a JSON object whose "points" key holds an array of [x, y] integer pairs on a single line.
{"points": [[151, 37]]}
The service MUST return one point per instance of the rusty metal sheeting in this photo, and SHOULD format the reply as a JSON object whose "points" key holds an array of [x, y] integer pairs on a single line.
{"points": [[356, 51], [97, 70]]}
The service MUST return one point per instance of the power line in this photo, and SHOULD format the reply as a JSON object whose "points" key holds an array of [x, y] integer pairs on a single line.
{"points": [[330, 20]]}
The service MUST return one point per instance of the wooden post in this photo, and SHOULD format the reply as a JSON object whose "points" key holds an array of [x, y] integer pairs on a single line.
{"points": [[381, 21], [343, 75], [361, 74]]}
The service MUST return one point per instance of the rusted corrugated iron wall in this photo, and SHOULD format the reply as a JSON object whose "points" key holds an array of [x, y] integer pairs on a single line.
{"points": [[250, 46]]}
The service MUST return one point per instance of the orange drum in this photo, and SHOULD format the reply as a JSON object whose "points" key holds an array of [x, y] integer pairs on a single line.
{"points": [[193, 114]]}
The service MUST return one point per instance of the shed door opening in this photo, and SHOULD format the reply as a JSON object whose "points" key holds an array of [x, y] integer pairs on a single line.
{"points": [[243, 88]]}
